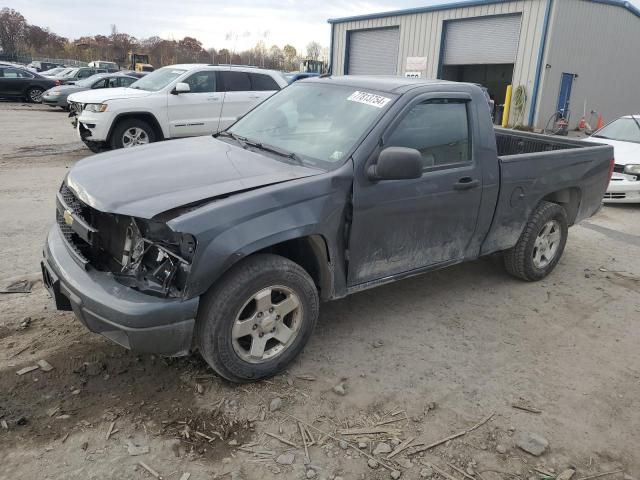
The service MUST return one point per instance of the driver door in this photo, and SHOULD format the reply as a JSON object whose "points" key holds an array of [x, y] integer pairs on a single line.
{"points": [[196, 112], [404, 225]]}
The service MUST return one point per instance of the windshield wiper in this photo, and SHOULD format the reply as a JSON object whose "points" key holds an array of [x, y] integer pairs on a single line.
{"points": [[636, 121], [241, 140], [276, 150]]}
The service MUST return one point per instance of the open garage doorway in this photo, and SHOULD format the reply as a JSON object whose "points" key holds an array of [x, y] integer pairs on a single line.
{"points": [[494, 77]]}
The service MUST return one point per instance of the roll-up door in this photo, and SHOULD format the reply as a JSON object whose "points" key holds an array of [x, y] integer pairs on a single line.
{"points": [[490, 40], [374, 52]]}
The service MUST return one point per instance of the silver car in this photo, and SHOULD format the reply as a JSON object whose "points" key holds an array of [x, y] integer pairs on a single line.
{"points": [[57, 96]]}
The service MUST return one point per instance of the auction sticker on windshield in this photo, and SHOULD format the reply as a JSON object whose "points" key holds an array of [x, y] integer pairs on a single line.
{"points": [[371, 99]]}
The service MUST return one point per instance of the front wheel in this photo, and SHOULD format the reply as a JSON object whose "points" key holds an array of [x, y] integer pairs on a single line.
{"points": [[540, 245], [132, 132], [257, 318]]}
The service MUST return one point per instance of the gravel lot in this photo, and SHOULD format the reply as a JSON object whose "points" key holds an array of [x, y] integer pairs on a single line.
{"points": [[428, 357]]}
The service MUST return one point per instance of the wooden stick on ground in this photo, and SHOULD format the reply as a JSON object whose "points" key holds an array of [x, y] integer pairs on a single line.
{"points": [[598, 475], [304, 441], [442, 472], [333, 437], [526, 409], [110, 431], [150, 470], [465, 474], [403, 446], [451, 437], [283, 440]]}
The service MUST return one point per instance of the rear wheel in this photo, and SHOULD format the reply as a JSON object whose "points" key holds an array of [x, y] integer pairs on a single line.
{"points": [[132, 132], [540, 245], [257, 318], [34, 94]]}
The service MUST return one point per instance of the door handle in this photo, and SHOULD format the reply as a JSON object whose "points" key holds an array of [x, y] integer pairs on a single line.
{"points": [[466, 183]]}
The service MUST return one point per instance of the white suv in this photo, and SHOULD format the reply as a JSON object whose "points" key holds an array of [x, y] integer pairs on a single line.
{"points": [[172, 102]]}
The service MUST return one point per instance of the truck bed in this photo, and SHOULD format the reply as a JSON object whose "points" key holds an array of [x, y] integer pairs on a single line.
{"points": [[536, 167]]}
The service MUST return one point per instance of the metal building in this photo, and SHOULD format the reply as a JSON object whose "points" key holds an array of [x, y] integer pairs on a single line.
{"points": [[568, 55]]}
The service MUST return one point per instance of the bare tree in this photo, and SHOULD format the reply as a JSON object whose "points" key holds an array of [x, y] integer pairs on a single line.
{"points": [[313, 50], [12, 30]]}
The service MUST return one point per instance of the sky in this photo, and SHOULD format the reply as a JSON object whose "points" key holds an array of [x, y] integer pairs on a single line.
{"points": [[236, 24]]}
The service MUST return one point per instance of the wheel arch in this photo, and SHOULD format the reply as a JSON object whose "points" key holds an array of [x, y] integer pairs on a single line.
{"points": [[145, 116], [568, 198]]}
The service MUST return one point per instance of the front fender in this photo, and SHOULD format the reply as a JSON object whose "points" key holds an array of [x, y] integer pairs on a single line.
{"points": [[233, 228]]}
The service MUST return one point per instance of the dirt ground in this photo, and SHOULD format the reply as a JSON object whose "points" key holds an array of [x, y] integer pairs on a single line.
{"points": [[426, 358]]}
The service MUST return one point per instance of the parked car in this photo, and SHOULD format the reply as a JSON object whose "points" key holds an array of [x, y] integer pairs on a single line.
{"points": [[54, 71], [295, 76], [18, 82], [109, 66], [43, 66], [133, 73], [623, 135], [78, 73], [57, 96], [172, 102], [228, 243]]}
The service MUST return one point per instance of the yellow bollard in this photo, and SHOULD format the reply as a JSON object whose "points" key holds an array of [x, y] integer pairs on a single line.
{"points": [[507, 107]]}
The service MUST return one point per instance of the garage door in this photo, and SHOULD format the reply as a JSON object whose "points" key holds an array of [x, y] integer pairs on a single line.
{"points": [[482, 40], [374, 52]]}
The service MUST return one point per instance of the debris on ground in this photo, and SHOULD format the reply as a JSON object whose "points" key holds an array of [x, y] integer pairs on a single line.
{"points": [[340, 389], [286, 459], [382, 448], [25, 323], [566, 474], [26, 370], [45, 366], [275, 405], [531, 443], [17, 286], [135, 450]]}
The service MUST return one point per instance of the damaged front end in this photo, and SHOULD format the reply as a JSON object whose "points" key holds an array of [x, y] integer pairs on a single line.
{"points": [[145, 255]]}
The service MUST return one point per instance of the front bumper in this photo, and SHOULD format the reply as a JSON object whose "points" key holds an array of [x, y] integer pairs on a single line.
{"points": [[622, 190], [55, 101], [134, 320], [93, 127]]}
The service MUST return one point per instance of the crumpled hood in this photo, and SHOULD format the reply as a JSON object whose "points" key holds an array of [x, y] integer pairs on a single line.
{"points": [[147, 180], [624, 152], [100, 95]]}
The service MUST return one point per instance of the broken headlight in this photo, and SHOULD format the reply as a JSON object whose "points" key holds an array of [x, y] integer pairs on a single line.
{"points": [[155, 259]]}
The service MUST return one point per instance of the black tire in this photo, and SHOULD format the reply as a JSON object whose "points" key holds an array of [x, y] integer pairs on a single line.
{"points": [[116, 136], [95, 147], [225, 300], [519, 260], [34, 95]]}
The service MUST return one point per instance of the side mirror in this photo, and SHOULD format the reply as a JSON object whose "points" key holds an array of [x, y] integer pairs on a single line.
{"points": [[396, 163], [181, 87]]}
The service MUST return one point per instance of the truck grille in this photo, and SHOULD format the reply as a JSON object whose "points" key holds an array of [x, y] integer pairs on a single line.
{"points": [[95, 237], [76, 108]]}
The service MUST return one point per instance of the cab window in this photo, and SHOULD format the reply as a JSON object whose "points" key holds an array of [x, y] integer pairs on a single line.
{"points": [[126, 81], [236, 81], [202, 82], [438, 129], [9, 72], [262, 82]]}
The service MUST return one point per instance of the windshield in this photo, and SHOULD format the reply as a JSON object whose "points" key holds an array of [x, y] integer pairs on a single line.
{"points": [[623, 130], [89, 81], [317, 122], [158, 80], [69, 73]]}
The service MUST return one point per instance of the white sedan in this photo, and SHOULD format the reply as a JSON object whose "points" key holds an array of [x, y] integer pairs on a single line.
{"points": [[623, 135]]}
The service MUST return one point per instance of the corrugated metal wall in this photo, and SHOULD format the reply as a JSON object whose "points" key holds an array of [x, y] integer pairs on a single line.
{"points": [[600, 43], [421, 34]]}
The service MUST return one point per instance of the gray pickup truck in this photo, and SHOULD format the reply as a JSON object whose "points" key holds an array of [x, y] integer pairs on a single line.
{"points": [[227, 244]]}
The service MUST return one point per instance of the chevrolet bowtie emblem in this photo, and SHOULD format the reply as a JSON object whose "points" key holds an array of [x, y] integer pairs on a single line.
{"points": [[68, 217]]}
